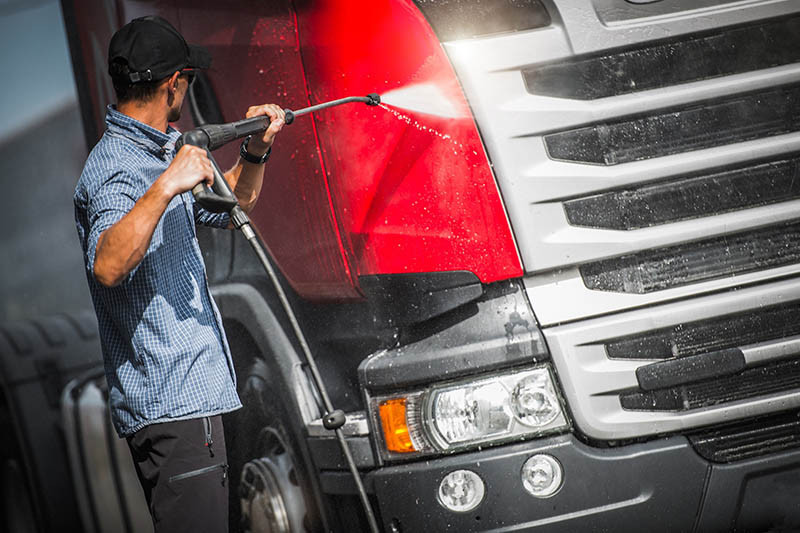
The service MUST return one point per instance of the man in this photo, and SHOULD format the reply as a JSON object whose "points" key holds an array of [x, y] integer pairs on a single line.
{"points": [[167, 362]]}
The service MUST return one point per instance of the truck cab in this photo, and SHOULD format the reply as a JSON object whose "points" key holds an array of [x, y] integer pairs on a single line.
{"points": [[552, 280]]}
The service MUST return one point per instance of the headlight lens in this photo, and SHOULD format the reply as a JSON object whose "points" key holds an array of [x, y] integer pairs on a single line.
{"points": [[467, 413], [511, 405], [534, 402]]}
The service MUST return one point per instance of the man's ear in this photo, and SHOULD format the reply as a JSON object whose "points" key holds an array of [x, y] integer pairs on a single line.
{"points": [[172, 82]]}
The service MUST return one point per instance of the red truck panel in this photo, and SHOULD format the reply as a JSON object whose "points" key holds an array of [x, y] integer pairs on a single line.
{"points": [[354, 190]]}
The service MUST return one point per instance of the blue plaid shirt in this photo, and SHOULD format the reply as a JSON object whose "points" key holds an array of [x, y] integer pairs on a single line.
{"points": [[164, 349]]}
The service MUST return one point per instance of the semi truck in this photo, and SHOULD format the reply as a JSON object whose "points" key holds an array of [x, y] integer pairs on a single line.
{"points": [[552, 280]]}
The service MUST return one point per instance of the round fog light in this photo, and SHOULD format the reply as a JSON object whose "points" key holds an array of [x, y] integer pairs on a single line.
{"points": [[542, 475], [461, 491]]}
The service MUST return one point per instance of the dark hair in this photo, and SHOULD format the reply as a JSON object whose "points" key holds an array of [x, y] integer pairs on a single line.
{"points": [[143, 91]]}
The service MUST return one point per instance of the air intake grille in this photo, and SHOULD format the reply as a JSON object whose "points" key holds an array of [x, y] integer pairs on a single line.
{"points": [[699, 57], [752, 382], [749, 439], [465, 19], [689, 197], [741, 329], [682, 129], [666, 268]]}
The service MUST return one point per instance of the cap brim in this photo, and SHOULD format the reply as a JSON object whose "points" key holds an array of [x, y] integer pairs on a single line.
{"points": [[199, 57]]}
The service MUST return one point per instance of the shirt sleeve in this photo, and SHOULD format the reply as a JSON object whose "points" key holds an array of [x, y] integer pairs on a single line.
{"points": [[207, 218], [112, 200]]}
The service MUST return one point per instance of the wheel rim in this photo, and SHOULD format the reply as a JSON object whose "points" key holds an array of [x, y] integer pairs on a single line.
{"points": [[271, 500], [263, 508]]}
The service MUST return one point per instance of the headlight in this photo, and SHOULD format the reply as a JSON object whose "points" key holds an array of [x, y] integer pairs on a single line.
{"points": [[466, 413], [507, 406]]}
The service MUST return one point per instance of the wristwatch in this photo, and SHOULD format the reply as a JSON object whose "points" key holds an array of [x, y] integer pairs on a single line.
{"points": [[250, 158]]}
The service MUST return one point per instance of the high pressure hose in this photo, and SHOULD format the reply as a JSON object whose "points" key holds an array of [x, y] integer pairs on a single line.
{"points": [[219, 198]]}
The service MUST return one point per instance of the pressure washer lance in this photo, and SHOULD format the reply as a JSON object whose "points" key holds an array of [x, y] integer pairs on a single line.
{"points": [[220, 199]]}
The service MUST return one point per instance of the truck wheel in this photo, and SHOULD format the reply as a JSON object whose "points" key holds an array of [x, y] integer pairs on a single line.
{"points": [[271, 499], [269, 480]]}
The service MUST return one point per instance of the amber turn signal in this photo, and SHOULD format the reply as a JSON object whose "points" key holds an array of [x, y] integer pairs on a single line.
{"points": [[395, 427]]}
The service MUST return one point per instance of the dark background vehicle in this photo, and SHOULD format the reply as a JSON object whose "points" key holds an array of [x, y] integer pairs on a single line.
{"points": [[567, 263]]}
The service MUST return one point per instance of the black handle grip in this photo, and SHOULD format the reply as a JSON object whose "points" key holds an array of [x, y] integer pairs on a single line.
{"points": [[218, 198], [221, 134]]}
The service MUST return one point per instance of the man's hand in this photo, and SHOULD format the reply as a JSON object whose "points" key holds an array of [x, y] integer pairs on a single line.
{"points": [[259, 145], [190, 167]]}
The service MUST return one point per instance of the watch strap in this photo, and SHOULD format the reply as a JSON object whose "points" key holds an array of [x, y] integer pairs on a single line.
{"points": [[250, 158]]}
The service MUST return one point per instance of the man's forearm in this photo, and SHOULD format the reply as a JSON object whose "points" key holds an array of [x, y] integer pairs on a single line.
{"points": [[246, 179], [121, 247]]}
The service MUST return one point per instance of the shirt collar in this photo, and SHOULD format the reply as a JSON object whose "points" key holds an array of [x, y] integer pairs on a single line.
{"points": [[145, 136]]}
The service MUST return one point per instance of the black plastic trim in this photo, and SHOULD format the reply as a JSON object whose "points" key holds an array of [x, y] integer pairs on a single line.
{"points": [[688, 197], [628, 489], [327, 453], [690, 369], [412, 298], [717, 122], [727, 331], [684, 264], [756, 381], [757, 494], [496, 331], [749, 438], [465, 19], [732, 50]]}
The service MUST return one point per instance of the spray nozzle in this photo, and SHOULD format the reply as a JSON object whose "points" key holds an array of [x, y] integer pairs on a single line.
{"points": [[373, 99]]}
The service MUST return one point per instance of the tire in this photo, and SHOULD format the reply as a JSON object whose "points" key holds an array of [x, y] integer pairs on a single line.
{"points": [[37, 358], [16, 508], [269, 484]]}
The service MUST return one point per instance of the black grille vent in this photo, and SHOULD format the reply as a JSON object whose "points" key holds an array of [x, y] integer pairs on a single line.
{"points": [[748, 439], [667, 268], [689, 197], [681, 129], [730, 331], [699, 57], [464, 19], [756, 381]]}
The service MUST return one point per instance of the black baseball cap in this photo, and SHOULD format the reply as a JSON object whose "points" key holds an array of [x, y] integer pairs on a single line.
{"points": [[152, 49]]}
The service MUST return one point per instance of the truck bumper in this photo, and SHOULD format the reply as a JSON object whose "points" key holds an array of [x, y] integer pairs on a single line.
{"points": [[656, 486]]}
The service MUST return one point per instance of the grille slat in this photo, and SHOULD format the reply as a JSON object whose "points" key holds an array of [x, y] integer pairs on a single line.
{"points": [[686, 198], [731, 331], [676, 266], [687, 128], [675, 61], [756, 381], [748, 439]]}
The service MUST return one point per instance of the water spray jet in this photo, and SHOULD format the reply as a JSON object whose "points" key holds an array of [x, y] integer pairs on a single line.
{"points": [[425, 98]]}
